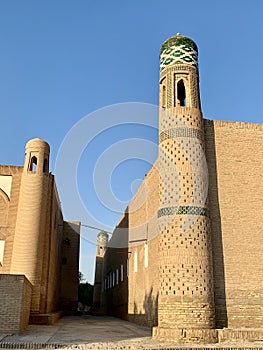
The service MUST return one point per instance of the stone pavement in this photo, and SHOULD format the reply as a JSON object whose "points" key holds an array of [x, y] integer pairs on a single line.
{"points": [[91, 332]]}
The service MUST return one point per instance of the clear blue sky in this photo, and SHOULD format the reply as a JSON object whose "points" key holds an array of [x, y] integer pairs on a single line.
{"points": [[62, 60]]}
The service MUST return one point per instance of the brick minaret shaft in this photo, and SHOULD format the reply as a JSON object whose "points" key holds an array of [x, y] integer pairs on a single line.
{"points": [[186, 297], [30, 231]]}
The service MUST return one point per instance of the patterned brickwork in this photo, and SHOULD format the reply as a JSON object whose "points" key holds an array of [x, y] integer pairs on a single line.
{"points": [[201, 271], [180, 132], [186, 210], [185, 265], [169, 78]]}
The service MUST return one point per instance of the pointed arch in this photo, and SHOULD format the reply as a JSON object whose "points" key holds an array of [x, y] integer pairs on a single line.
{"points": [[4, 195], [163, 92], [4, 207]]}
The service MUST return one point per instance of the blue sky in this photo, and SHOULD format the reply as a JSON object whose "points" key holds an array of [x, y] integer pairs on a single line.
{"points": [[62, 60]]}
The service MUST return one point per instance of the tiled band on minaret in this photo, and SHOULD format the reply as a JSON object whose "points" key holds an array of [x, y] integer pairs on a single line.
{"points": [[186, 296]]}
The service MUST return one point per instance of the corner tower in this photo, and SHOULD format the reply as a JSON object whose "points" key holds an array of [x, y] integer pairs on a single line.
{"points": [[186, 297], [31, 223]]}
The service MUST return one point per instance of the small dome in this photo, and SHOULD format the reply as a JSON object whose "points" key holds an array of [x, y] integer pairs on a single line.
{"points": [[179, 40], [178, 49], [36, 144], [102, 237]]}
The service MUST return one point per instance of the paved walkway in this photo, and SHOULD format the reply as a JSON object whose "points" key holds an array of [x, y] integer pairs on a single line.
{"points": [[91, 332], [87, 332]]}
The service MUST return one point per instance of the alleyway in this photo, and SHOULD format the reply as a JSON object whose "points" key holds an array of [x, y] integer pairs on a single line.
{"points": [[100, 333], [94, 332]]}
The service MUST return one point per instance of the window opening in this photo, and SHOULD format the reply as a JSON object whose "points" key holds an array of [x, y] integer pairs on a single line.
{"points": [[33, 164], [2, 249], [164, 96], [122, 272], [181, 95]]}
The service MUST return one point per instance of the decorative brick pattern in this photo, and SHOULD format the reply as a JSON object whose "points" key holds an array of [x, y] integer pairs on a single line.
{"points": [[204, 274], [187, 210], [191, 78], [185, 260], [180, 132]]}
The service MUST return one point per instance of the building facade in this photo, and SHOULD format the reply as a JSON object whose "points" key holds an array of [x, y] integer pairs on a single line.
{"points": [[38, 249], [186, 257]]}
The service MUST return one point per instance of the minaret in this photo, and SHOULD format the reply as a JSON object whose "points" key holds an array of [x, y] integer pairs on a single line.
{"points": [[30, 227], [102, 242], [186, 297]]}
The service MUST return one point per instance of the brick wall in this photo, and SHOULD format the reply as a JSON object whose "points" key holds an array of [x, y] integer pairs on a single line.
{"points": [[31, 226], [115, 289], [47, 241], [15, 296], [234, 154], [134, 298], [144, 280], [51, 270], [70, 266], [8, 227], [98, 284]]}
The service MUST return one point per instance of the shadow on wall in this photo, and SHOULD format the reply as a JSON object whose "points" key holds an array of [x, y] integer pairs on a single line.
{"points": [[150, 316], [215, 217], [115, 282]]}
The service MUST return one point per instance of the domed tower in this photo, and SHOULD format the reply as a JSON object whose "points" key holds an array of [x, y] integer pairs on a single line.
{"points": [[186, 297], [31, 220], [102, 242]]}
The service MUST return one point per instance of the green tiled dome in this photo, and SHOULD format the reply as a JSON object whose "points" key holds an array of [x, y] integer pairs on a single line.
{"points": [[102, 237], [179, 40], [178, 49]]}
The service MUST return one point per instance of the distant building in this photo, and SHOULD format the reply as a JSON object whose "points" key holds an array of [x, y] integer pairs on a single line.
{"points": [[39, 251], [186, 256], [102, 242]]}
